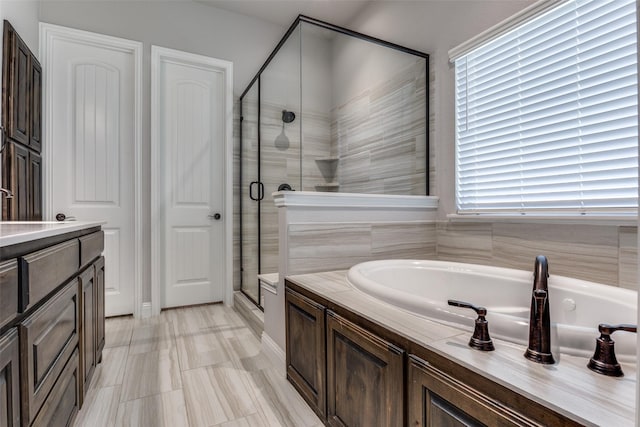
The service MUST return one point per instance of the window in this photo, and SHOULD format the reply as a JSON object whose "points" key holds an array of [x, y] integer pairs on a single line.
{"points": [[546, 114]]}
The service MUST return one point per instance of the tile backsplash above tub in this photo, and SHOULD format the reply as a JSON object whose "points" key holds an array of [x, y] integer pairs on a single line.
{"points": [[603, 254]]}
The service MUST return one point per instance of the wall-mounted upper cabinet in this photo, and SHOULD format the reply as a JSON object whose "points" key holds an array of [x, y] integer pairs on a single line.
{"points": [[22, 122], [22, 82]]}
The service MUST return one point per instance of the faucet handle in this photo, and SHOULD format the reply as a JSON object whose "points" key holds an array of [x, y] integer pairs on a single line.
{"points": [[480, 339], [604, 358], [606, 329], [480, 311]]}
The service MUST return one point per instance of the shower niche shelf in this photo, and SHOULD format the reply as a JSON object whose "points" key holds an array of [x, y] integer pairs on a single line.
{"points": [[328, 187], [328, 167]]}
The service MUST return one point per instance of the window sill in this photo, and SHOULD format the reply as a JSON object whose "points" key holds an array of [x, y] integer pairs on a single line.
{"points": [[616, 220]]}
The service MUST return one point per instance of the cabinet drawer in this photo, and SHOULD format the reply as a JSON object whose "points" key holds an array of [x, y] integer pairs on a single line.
{"points": [[8, 291], [91, 247], [48, 338], [63, 403], [45, 270]]}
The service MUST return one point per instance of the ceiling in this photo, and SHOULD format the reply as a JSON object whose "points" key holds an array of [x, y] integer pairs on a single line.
{"points": [[284, 12]]}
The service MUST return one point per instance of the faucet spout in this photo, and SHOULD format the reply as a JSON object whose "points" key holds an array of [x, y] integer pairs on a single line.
{"points": [[8, 194], [540, 273], [539, 349]]}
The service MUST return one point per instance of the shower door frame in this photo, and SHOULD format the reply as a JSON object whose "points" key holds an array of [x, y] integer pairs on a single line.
{"points": [[255, 80], [305, 19]]}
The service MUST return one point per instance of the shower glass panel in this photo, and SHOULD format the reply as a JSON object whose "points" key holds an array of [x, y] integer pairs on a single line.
{"points": [[249, 205], [279, 141], [331, 110], [364, 115]]}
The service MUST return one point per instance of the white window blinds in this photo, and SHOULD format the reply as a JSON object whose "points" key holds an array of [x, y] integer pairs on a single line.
{"points": [[546, 114]]}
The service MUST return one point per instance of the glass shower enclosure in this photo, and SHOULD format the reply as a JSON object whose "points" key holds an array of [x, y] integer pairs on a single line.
{"points": [[331, 110]]}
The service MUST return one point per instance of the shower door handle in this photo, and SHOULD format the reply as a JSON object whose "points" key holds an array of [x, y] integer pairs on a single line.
{"points": [[251, 191], [260, 191]]}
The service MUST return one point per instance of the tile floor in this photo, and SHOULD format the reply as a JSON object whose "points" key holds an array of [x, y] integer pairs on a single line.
{"points": [[196, 366]]}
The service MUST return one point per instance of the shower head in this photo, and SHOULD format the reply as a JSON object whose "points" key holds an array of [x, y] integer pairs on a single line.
{"points": [[288, 116]]}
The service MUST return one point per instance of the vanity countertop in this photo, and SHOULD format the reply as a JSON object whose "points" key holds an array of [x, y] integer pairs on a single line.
{"points": [[12, 233], [567, 387]]}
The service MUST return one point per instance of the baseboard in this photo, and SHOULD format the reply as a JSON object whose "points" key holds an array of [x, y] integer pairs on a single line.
{"points": [[274, 353], [145, 311]]}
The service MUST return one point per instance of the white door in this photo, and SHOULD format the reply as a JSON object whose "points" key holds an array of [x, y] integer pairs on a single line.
{"points": [[91, 124], [190, 139]]}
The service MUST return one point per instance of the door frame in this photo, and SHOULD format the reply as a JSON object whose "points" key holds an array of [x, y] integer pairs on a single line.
{"points": [[48, 34], [158, 56]]}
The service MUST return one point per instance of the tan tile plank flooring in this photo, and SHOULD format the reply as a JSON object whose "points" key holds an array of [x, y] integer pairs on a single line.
{"points": [[191, 367]]}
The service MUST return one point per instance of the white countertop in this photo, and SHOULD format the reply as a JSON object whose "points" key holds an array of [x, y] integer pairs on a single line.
{"points": [[567, 387], [12, 233]]}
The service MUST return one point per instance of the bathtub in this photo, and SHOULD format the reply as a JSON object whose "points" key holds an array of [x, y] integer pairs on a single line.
{"points": [[576, 306]]}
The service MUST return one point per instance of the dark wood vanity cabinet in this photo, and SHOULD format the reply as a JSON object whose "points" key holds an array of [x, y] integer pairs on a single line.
{"points": [[9, 379], [373, 376], [52, 326], [349, 376], [364, 377], [306, 349]]}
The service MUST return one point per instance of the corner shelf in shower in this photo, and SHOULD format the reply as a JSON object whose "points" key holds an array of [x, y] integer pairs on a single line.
{"points": [[328, 167], [328, 187]]}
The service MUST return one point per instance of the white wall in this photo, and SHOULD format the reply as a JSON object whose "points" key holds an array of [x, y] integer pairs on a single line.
{"points": [[434, 27], [23, 15], [182, 25], [359, 65]]}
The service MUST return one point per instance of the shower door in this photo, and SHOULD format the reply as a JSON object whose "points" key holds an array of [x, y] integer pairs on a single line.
{"points": [[270, 156], [250, 193]]}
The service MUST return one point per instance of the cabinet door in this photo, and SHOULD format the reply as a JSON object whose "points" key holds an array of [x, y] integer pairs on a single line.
{"points": [[9, 380], [437, 399], [16, 179], [306, 349], [364, 377], [99, 297], [88, 323], [48, 339], [63, 403], [23, 176], [35, 106], [16, 84], [35, 187]]}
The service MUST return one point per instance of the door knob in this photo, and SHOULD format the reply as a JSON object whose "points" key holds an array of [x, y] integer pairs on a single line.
{"points": [[215, 216], [62, 217]]}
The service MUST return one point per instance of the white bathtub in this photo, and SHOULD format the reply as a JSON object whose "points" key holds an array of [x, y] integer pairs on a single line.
{"points": [[576, 306]]}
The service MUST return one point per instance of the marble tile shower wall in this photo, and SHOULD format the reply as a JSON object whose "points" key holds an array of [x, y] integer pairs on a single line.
{"points": [[602, 254], [280, 163], [316, 144], [380, 136]]}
